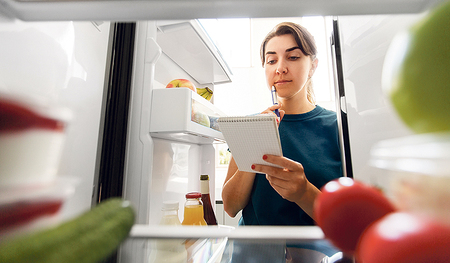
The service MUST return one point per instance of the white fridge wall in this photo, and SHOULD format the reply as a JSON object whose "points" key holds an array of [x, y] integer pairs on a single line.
{"points": [[371, 118], [63, 63], [176, 171], [158, 170]]}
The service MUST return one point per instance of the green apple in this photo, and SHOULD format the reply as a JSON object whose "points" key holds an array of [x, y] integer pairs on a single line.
{"points": [[418, 65]]}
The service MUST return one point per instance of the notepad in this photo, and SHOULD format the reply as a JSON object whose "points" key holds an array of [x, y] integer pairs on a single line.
{"points": [[250, 137]]}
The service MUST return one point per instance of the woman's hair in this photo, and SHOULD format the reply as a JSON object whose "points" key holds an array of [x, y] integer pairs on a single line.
{"points": [[304, 40]]}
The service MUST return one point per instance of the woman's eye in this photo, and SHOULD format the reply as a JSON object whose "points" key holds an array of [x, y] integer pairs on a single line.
{"points": [[293, 58], [270, 62]]}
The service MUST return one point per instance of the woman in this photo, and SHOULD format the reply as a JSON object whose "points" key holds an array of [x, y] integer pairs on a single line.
{"points": [[309, 138]]}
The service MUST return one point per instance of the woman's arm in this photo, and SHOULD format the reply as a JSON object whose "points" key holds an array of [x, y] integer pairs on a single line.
{"points": [[236, 189]]}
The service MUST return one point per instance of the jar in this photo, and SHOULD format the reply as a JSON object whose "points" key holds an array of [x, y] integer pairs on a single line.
{"points": [[418, 168], [193, 210]]}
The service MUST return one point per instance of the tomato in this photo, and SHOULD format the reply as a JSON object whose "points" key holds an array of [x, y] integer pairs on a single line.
{"points": [[345, 208], [403, 237]]}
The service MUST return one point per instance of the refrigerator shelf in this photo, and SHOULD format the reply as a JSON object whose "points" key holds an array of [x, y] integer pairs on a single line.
{"points": [[187, 44], [214, 244], [173, 113]]}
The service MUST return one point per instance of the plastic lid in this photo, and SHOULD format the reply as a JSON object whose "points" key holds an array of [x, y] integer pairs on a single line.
{"points": [[425, 153], [192, 195], [170, 205]]}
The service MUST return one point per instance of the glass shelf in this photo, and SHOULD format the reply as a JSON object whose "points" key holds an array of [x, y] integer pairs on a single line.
{"points": [[218, 244]]}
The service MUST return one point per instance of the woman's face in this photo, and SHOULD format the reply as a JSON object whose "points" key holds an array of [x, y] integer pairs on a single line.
{"points": [[287, 67]]}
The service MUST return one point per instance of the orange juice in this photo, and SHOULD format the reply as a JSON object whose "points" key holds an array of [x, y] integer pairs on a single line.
{"points": [[193, 210], [193, 215]]}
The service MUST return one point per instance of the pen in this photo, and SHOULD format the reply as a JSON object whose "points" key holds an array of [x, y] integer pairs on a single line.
{"points": [[275, 100]]}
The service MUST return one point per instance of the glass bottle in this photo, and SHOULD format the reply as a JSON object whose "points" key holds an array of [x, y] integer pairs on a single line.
{"points": [[208, 211], [170, 213], [168, 250], [193, 210]]}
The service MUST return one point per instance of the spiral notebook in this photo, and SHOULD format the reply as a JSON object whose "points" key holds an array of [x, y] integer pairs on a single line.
{"points": [[250, 137]]}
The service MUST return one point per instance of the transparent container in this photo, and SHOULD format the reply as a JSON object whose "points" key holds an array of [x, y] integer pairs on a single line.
{"points": [[418, 168], [193, 210]]}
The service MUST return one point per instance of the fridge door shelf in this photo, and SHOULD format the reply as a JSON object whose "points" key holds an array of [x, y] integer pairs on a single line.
{"points": [[190, 47], [182, 115]]}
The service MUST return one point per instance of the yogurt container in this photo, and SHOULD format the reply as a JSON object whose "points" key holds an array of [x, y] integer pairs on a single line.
{"points": [[30, 208], [31, 140], [418, 167]]}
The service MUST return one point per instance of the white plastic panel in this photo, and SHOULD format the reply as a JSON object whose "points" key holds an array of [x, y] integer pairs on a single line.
{"points": [[171, 116], [371, 118], [127, 10], [188, 45]]}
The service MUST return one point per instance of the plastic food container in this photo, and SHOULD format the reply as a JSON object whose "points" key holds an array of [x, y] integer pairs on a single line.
{"points": [[26, 209], [419, 170], [31, 139]]}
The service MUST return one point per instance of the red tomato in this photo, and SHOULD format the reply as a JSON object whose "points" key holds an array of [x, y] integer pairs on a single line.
{"points": [[345, 208], [402, 237]]}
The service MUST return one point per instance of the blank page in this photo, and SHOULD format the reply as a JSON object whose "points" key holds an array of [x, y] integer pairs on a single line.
{"points": [[250, 137]]}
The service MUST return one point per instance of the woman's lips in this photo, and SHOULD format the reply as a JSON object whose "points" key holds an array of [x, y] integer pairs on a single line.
{"points": [[280, 82]]}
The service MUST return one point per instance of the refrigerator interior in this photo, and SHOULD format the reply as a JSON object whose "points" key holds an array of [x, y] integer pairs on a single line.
{"points": [[152, 178]]}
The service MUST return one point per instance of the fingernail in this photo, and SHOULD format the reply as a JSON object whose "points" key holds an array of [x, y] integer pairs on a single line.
{"points": [[253, 167], [264, 157]]}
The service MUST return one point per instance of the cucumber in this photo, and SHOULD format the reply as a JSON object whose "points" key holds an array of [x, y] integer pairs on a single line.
{"points": [[89, 238]]}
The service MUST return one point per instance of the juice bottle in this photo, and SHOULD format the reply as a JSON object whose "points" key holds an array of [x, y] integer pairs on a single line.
{"points": [[168, 250], [170, 213], [193, 210], [208, 211]]}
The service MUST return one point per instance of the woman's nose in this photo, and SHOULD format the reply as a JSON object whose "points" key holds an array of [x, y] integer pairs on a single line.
{"points": [[281, 68]]}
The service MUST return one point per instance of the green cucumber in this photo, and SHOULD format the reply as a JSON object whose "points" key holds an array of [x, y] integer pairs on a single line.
{"points": [[89, 238]]}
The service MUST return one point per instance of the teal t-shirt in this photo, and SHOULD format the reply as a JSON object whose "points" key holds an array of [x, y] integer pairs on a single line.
{"points": [[312, 140]]}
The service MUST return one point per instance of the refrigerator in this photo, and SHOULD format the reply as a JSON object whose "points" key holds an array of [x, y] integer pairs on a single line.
{"points": [[360, 46], [130, 137]]}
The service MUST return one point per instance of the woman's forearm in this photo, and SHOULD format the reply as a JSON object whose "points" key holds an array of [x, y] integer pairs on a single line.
{"points": [[306, 202], [236, 189]]}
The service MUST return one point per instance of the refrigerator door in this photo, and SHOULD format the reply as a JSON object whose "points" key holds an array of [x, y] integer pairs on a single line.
{"points": [[364, 41]]}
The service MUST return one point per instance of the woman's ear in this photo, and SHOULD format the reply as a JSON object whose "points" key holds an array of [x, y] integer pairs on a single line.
{"points": [[314, 65]]}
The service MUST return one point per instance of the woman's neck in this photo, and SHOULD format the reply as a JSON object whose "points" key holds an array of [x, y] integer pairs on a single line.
{"points": [[291, 106]]}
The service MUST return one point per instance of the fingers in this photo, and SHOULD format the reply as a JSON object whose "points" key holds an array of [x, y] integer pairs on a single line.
{"points": [[281, 161]]}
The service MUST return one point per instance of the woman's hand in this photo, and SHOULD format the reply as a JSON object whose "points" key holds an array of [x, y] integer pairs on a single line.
{"points": [[271, 109], [290, 182]]}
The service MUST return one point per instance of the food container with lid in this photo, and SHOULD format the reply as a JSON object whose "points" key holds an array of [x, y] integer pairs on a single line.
{"points": [[30, 208], [418, 167], [31, 139]]}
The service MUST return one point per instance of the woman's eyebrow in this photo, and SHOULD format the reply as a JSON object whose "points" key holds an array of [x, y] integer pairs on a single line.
{"points": [[292, 48], [287, 50]]}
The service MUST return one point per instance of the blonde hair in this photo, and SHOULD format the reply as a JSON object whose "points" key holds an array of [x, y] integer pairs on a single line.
{"points": [[304, 40]]}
